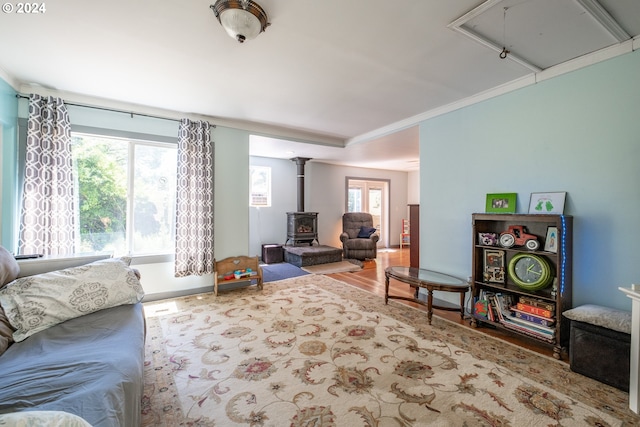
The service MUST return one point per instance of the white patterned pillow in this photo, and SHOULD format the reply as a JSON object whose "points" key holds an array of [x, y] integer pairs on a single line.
{"points": [[42, 418], [35, 303]]}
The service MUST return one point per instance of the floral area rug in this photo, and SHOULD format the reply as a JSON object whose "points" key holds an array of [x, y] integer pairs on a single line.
{"points": [[312, 350]]}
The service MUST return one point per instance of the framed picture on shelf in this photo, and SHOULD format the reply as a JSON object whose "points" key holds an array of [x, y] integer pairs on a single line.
{"points": [[501, 203], [494, 266], [488, 239], [547, 203], [551, 242]]}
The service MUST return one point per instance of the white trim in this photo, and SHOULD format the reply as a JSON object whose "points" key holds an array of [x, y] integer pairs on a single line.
{"points": [[12, 81], [595, 9], [477, 11], [158, 296], [529, 79], [498, 49], [302, 136], [457, 27], [261, 128], [586, 60]]}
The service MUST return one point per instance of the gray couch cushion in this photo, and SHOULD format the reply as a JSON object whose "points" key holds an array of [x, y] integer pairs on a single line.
{"points": [[605, 317]]}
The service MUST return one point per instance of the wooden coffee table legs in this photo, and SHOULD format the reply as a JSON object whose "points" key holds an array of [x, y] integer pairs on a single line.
{"points": [[429, 303]]}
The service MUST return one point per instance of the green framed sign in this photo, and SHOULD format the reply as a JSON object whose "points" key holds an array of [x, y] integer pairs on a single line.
{"points": [[501, 203]]}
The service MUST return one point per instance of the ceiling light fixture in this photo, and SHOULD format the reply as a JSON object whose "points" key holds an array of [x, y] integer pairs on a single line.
{"points": [[241, 19]]}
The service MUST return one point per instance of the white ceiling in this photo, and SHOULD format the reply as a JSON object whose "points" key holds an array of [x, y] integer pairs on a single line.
{"points": [[354, 75]]}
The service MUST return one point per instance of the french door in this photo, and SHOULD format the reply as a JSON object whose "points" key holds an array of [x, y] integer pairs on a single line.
{"points": [[367, 195]]}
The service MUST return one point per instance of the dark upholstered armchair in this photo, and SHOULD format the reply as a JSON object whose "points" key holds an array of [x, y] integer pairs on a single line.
{"points": [[358, 236]]}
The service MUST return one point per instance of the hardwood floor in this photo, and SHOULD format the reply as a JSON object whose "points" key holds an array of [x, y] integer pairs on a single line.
{"points": [[371, 278]]}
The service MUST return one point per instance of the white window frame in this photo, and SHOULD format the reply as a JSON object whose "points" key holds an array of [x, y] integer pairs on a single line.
{"points": [[259, 190], [132, 140]]}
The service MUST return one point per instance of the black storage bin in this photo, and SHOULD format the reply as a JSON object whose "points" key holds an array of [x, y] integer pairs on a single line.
{"points": [[272, 254], [600, 353]]}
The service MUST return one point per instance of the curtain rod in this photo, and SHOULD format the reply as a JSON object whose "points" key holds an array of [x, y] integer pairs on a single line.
{"points": [[111, 109]]}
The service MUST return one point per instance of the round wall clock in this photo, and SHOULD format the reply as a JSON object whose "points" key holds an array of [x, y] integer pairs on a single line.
{"points": [[530, 272]]}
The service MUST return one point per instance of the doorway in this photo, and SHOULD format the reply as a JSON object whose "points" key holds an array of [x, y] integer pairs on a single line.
{"points": [[372, 196]]}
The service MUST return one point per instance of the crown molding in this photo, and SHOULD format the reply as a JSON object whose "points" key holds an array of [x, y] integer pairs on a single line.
{"points": [[11, 81], [527, 80], [125, 107]]}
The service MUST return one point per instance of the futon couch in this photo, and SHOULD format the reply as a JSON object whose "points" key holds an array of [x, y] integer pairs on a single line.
{"points": [[72, 345]]}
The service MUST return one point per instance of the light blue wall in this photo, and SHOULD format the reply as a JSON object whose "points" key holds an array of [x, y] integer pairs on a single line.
{"points": [[580, 133], [8, 121], [231, 192], [231, 183]]}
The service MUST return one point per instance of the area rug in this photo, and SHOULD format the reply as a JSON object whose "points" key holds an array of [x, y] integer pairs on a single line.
{"points": [[315, 351], [280, 271], [332, 267]]}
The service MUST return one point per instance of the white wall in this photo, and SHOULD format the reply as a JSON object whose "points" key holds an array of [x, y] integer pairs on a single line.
{"points": [[269, 225], [580, 133]]}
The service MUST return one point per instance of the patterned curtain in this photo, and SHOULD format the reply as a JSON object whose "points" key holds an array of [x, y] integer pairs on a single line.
{"points": [[48, 206], [194, 200]]}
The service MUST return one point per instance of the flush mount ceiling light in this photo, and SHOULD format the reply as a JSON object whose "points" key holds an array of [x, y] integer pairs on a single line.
{"points": [[241, 19]]}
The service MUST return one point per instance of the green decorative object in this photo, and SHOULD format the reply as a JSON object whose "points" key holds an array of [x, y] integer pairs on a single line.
{"points": [[501, 202], [530, 272]]}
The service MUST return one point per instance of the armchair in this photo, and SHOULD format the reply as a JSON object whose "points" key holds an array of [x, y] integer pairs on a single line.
{"points": [[359, 240]]}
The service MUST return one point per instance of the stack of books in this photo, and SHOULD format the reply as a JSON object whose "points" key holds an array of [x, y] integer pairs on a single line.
{"points": [[529, 316], [533, 317]]}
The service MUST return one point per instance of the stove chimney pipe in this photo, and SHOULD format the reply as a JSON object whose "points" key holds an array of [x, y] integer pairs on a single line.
{"points": [[300, 161]]}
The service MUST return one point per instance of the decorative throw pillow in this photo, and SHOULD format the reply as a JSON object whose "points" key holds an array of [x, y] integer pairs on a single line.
{"points": [[9, 268], [366, 232], [43, 418], [35, 303], [6, 332]]}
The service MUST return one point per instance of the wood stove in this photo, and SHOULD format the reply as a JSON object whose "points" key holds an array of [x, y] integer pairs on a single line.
{"points": [[302, 228]]}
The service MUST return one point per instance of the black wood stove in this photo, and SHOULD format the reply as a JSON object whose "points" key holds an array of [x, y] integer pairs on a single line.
{"points": [[302, 227]]}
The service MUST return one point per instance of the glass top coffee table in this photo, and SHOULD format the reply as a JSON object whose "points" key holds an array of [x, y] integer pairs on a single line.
{"points": [[430, 280]]}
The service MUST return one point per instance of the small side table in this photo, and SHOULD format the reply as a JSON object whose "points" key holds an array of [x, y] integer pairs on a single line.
{"points": [[272, 253], [430, 280]]}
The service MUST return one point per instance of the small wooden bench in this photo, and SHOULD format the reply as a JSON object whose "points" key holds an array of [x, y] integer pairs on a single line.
{"points": [[223, 271]]}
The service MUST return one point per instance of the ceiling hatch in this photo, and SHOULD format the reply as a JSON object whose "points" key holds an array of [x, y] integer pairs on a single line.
{"points": [[539, 34]]}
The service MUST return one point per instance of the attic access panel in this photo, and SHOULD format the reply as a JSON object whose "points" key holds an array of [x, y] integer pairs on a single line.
{"points": [[542, 33]]}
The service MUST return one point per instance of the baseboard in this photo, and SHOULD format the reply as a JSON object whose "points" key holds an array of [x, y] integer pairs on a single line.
{"points": [[193, 291]]}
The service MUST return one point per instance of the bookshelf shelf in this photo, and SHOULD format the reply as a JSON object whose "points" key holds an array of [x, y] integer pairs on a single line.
{"points": [[496, 295]]}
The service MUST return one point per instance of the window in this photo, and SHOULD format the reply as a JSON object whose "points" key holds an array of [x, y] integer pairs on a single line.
{"points": [[260, 181], [126, 194]]}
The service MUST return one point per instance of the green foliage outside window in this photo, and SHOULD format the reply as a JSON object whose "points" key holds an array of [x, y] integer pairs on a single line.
{"points": [[104, 180], [102, 199]]}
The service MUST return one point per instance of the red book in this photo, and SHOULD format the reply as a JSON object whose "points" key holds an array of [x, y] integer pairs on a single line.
{"points": [[535, 310]]}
